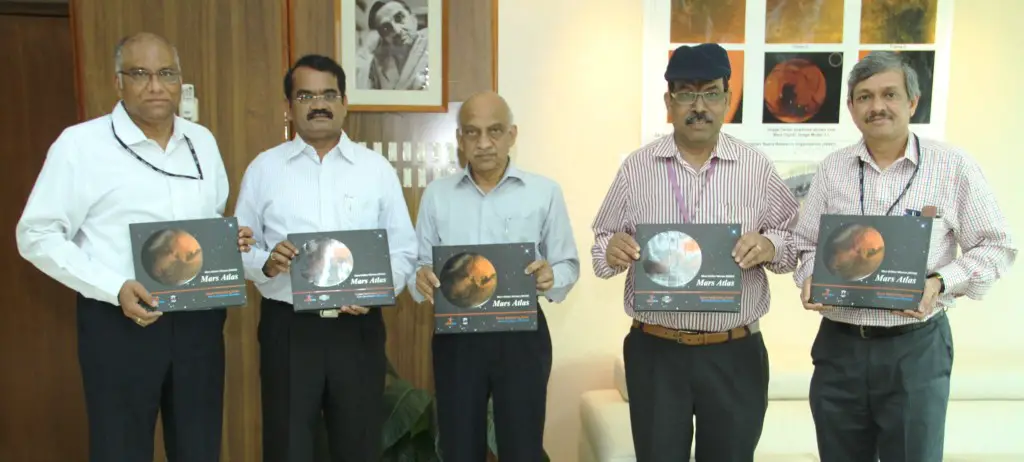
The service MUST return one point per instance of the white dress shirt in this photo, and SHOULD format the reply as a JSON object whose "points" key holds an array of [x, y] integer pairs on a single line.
{"points": [[75, 225], [288, 189]]}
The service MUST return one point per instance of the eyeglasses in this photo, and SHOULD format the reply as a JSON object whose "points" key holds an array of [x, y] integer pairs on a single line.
{"points": [[141, 76], [690, 97], [307, 98]]}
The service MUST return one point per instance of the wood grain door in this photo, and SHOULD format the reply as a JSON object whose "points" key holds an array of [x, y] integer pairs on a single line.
{"points": [[42, 412]]}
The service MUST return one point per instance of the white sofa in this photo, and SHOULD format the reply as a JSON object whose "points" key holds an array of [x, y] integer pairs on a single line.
{"points": [[985, 420]]}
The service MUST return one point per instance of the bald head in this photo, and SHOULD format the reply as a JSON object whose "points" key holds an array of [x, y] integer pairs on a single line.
{"points": [[487, 105], [486, 132], [141, 42], [148, 79]]}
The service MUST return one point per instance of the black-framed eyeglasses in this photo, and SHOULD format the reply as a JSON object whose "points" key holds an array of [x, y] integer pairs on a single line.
{"points": [[191, 149], [141, 76], [690, 97], [307, 98]]}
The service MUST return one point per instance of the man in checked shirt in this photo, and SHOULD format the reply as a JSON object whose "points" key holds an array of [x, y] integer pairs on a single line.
{"points": [[881, 378], [710, 365]]}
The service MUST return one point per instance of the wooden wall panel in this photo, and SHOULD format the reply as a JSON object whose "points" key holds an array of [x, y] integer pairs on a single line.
{"points": [[472, 66], [41, 399], [235, 53]]}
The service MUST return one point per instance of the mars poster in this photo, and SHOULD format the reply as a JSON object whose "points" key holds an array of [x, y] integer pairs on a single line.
{"points": [[790, 63], [871, 261], [189, 265], [485, 288], [341, 268], [687, 268]]}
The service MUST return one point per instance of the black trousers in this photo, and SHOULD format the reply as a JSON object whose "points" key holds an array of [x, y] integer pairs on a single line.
{"points": [[881, 398], [315, 369], [129, 373], [514, 368], [725, 386]]}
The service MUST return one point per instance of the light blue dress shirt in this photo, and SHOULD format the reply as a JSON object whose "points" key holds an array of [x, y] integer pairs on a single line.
{"points": [[523, 207]]}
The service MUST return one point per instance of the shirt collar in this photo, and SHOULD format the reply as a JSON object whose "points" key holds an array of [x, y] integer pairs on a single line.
{"points": [[910, 153], [725, 149], [297, 146], [510, 172], [130, 133]]}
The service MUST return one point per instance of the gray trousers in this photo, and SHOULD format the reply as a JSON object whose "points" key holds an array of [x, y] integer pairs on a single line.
{"points": [[884, 397]]}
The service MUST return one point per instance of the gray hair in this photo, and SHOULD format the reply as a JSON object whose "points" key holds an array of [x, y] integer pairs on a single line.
{"points": [[883, 61], [119, 48]]}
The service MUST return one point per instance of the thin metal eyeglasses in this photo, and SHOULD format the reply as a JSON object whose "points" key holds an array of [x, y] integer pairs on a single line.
{"points": [[689, 97], [307, 98], [140, 76]]}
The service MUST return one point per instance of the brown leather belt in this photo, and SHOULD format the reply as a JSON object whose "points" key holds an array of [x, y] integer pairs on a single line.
{"points": [[695, 338]]}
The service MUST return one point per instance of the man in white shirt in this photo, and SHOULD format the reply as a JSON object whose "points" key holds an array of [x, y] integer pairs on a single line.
{"points": [[331, 361], [138, 164]]}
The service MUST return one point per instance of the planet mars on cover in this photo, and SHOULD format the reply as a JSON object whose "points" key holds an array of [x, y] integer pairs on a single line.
{"points": [[795, 90], [327, 263], [856, 251], [672, 258], [172, 257], [468, 280]]}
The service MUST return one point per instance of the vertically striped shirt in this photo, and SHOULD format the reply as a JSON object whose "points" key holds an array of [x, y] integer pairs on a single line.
{"points": [[949, 180], [743, 188]]}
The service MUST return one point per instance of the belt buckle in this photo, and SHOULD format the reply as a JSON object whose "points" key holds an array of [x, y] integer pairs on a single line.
{"points": [[328, 313]]}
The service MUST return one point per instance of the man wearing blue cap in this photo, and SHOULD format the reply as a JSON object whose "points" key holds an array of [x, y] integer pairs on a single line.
{"points": [[681, 365]]}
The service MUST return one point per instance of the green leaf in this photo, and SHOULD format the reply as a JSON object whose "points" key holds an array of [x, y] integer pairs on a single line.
{"points": [[404, 407]]}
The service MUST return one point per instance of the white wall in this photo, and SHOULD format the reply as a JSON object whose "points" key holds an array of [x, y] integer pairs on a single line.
{"points": [[575, 90]]}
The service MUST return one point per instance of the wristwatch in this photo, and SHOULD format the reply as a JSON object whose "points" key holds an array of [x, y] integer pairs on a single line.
{"points": [[942, 284]]}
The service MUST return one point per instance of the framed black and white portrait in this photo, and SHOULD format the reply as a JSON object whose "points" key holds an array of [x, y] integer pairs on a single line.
{"points": [[394, 52]]}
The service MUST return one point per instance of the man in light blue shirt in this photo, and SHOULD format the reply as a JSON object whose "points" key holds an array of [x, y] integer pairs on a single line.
{"points": [[493, 202]]}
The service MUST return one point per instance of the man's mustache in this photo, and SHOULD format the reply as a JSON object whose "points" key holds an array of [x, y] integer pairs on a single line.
{"points": [[878, 115], [698, 117], [319, 112]]}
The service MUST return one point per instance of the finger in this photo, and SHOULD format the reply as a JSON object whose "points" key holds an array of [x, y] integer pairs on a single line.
{"points": [[805, 294], [359, 309], [136, 311], [432, 278], [750, 257], [631, 243], [743, 244], [533, 267], [142, 294], [618, 257], [347, 310], [291, 247]]}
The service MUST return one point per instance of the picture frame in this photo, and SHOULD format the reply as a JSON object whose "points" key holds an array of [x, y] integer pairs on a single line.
{"points": [[405, 72]]}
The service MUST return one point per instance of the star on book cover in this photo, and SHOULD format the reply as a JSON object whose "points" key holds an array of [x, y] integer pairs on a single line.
{"points": [[341, 268], [190, 264], [877, 262], [687, 268], [485, 288]]}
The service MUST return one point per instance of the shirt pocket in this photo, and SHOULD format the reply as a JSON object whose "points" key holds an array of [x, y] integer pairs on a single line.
{"points": [[361, 212], [746, 215], [523, 226]]}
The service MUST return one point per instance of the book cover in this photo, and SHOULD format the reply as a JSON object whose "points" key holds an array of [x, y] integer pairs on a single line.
{"points": [[341, 268], [484, 288], [190, 264], [687, 268], [871, 261]]}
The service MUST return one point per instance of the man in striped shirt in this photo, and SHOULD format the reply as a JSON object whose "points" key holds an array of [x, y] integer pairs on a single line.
{"points": [[710, 365], [881, 378]]}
